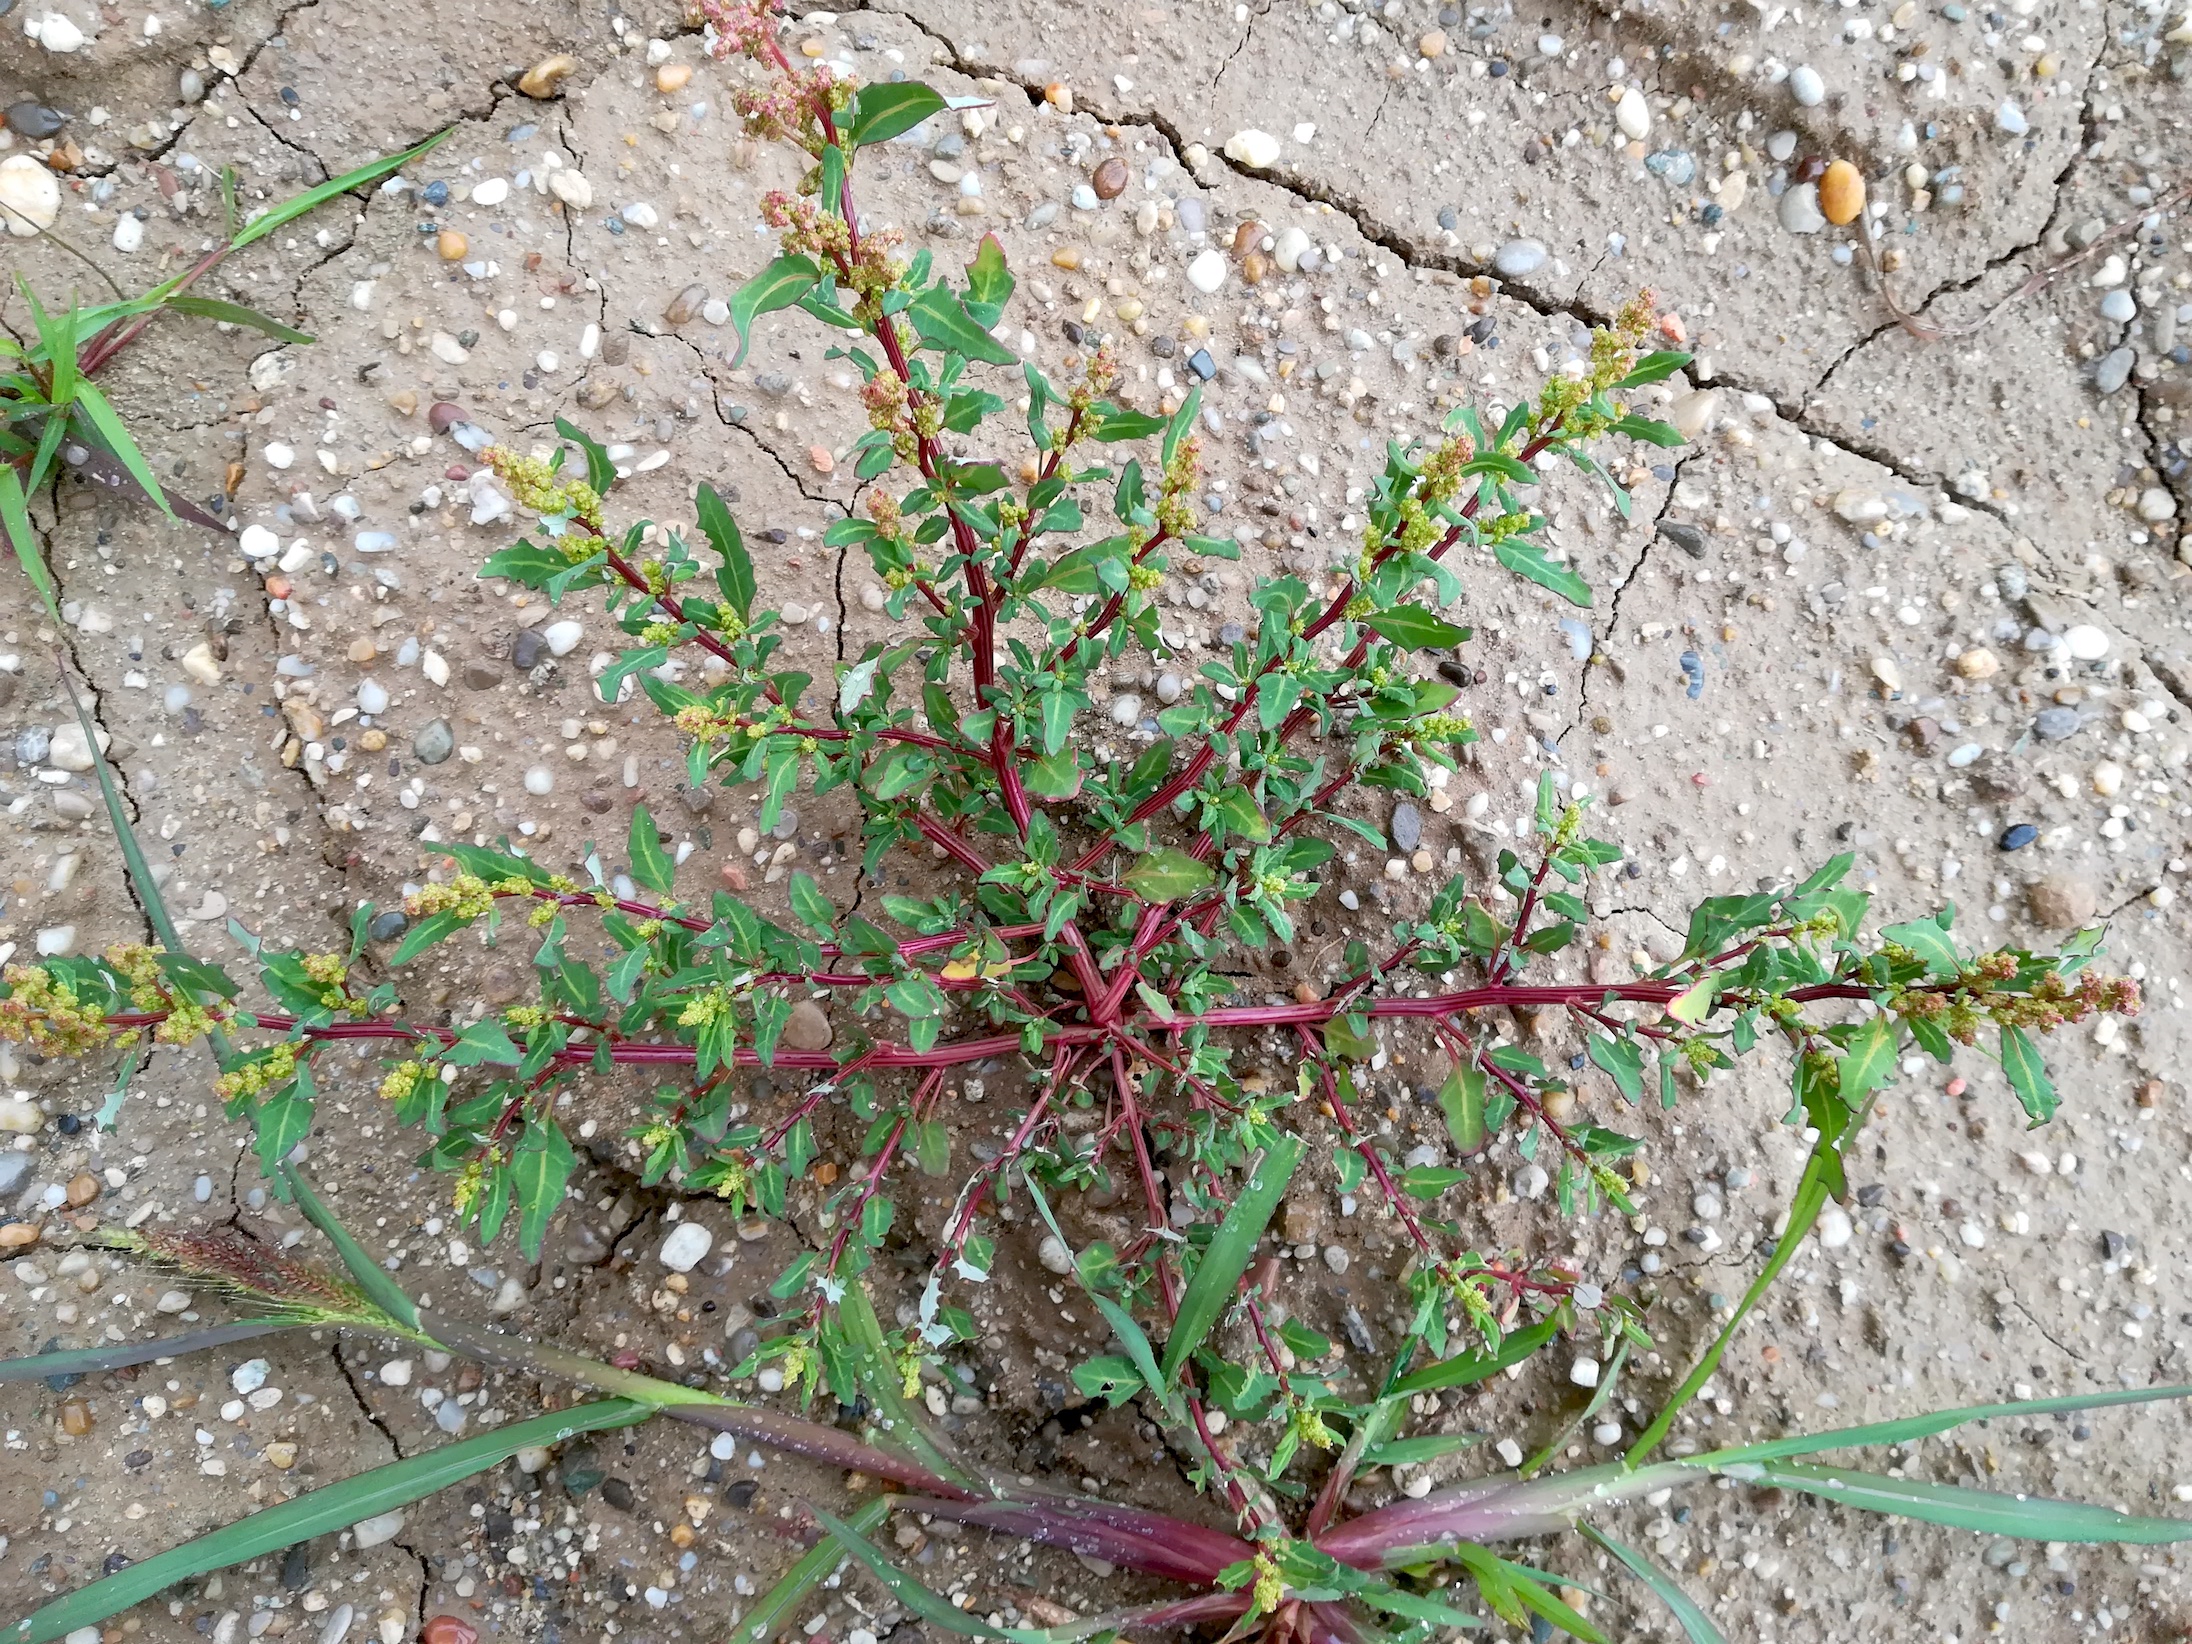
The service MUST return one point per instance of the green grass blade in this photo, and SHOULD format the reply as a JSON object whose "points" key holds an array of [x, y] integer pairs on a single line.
{"points": [[369, 1275], [23, 538], [1466, 1369], [930, 1607], [2026, 1518], [215, 308], [1821, 1171], [316, 1513], [774, 1612], [1130, 1334], [1697, 1626], [109, 432], [1904, 1430], [133, 856], [87, 1361], [1232, 1248], [899, 1424], [291, 209]]}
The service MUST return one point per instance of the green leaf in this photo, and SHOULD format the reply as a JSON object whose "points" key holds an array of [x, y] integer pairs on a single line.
{"points": [[888, 109], [601, 474], [777, 1608], [282, 1119], [313, 198], [1414, 1452], [316, 1513], [651, 864], [1416, 628], [1231, 1249], [1654, 368], [2027, 1074], [1623, 1061], [736, 578], [1908, 1429], [90, 1361], [815, 910], [485, 1043], [989, 283], [944, 323], [23, 538], [1167, 874], [425, 934], [366, 1273], [1467, 1369], [1461, 1099], [779, 285], [1238, 809], [911, 1595], [1697, 1626], [1130, 1335], [1530, 562], [213, 308], [1870, 1062], [108, 431], [540, 1167], [2028, 1518]]}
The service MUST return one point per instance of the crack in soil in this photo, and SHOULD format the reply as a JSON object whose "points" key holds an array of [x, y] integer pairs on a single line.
{"points": [[1601, 659], [1414, 255]]}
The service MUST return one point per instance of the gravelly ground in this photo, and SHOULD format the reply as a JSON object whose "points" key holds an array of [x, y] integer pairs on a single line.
{"points": [[1870, 508]]}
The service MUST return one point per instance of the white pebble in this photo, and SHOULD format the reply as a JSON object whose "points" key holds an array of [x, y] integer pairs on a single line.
{"points": [[129, 232], [492, 192], [1806, 86], [372, 697], [563, 637], [2086, 642], [1633, 115], [1253, 149], [687, 1245], [1207, 272], [540, 780], [1835, 1228]]}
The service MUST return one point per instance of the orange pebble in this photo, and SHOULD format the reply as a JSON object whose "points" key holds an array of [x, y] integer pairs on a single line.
{"points": [[451, 245], [1842, 192]]}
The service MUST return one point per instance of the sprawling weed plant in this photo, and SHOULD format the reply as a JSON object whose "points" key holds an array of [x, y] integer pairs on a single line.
{"points": [[1091, 912]]}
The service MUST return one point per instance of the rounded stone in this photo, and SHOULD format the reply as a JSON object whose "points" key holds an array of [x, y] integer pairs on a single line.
{"points": [[1518, 259], [1110, 179], [807, 1028], [562, 637], [1207, 272], [1841, 193], [1806, 86], [2086, 642], [2017, 836], [2061, 901], [1633, 115], [388, 925], [1799, 209], [30, 196], [434, 743], [686, 1247], [1254, 149], [527, 649], [27, 117], [545, 76]]}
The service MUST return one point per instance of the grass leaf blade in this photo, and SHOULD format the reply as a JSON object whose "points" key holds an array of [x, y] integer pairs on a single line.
{"points": [[107, 430], [1907, 1428], [315, 1513], [369, 1275], [1232, 1248], [216, 308], [1989, 1512], [929, 1606], [87, 1361], [774, 1612], [1697, 1626], [371, 172]]}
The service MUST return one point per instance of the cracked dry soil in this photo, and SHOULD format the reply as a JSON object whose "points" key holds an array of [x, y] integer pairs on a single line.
{"points": [[1838, 619]]}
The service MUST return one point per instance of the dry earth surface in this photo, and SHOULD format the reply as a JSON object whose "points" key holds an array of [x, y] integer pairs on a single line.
{"points": [[1896, 596]]}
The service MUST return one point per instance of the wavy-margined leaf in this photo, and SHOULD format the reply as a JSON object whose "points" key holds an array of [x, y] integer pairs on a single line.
{"points": [[779, 285], [316, 1513]]}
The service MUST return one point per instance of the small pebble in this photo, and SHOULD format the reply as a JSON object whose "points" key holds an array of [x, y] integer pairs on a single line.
{"points": [[1806, 86], [1518, 259]]}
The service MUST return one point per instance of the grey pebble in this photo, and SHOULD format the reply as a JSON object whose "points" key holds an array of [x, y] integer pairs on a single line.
{"points": [[32, 745], [1806, 86], [2056, 724], [2119, 307], [14, 1172], [1407, 827], [1799, 209], [387, 925], [787, 824], [1168, 687], [2114, 370], [527, 650], [434, 743], [1518, 258], [1684, 536]]}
